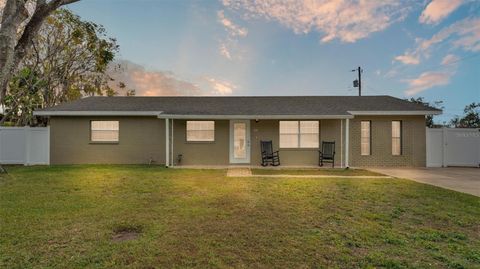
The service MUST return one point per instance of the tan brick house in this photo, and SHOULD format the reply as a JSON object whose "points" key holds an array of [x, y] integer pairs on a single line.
{"points": [[176, 131]]}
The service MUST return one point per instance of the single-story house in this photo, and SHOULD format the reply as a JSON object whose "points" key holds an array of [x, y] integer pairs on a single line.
{"points": [[175, 131]]}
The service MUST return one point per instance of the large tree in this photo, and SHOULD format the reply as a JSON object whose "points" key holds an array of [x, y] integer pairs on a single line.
{"points": [[68, 59], [17, 30], [470, 119]]}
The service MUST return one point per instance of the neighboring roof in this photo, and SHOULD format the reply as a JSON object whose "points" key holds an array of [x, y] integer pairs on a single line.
{"points": [[181, 106]]}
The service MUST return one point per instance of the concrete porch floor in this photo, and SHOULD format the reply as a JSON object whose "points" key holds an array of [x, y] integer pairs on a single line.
{"points": [[280, 167]]}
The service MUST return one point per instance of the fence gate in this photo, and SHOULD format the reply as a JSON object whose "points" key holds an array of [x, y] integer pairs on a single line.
{"points": [[24, 145], [453, 147]]}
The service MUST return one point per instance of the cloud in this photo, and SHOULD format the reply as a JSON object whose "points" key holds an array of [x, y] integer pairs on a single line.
{"points": [[347, 20], [463, 34], [221, 87], [450, 59], [438, 10], [407, 59], [163, 83], [234, 32], [232, 29], [428, 80], [149, 82], [224, 51]]}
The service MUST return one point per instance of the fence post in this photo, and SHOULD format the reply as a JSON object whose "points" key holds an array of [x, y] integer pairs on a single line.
{"points": [[48, 145], [27, 144], [444, 146]]}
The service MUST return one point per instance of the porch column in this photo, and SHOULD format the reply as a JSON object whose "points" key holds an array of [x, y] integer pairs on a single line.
{"points": [[341, 143], [167, 144], [172, 159], [347, 140]]}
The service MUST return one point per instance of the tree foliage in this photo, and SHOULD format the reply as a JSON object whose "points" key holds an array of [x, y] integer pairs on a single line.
{"points": [[470, 119], [122, 87], [20, 22], [68, 59], [437, 104]]}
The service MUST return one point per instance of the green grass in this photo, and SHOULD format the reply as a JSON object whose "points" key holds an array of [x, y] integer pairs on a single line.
{"points": [[66, 216], [313, 171]]}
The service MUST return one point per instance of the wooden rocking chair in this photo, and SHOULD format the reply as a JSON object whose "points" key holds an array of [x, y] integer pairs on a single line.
{"points": [[327, 154], [268, 155]]}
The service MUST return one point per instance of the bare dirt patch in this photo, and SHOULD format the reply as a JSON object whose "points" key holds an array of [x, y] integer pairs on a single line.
{"points": [[125, 232]]}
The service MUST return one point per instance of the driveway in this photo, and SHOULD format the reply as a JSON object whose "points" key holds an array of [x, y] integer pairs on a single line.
{"points": [[465, 180]]}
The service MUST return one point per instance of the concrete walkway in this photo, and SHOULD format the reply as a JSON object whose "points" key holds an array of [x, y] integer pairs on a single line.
{"points": [[239, 172], [465, 180]]}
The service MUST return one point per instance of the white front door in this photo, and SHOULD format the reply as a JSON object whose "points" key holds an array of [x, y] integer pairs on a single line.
{"points": [[239, 141]]}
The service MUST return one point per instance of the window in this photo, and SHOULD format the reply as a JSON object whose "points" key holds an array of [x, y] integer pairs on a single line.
{"points": [[299, 134], [309, 134], [104, 131], [201, 131], [365, 138], [396, 137], [288, 134]]}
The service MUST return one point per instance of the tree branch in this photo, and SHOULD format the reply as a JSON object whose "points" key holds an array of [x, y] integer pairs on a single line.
{"points": [[42, 10]]}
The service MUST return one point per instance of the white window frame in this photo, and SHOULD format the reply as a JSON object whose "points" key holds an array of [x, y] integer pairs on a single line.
{"points": [[398, 152], [299, 134], [92, 130], [212, 139], [364, 139]]}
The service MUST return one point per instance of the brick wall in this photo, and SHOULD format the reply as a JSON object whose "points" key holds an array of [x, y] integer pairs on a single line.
{"points": [[413, 142]]}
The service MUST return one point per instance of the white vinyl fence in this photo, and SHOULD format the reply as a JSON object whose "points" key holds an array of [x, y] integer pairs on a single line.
{"points": [[24, 145], [453, 147]]}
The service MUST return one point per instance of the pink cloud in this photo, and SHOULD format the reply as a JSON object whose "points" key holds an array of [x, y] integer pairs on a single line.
{"points": [[346, 20], [449, 59], [407, 59], [463, 34], [225, 51], [163, 83], [438, 10], [428, 80], [221, 87], [229, 44], [232, 28], [149, 82]]}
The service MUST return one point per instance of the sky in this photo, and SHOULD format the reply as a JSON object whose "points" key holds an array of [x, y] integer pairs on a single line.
{"points": [[406, 48]]}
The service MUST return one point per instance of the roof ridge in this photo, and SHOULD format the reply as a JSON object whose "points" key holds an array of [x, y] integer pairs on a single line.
{"points": [[236, 96]]}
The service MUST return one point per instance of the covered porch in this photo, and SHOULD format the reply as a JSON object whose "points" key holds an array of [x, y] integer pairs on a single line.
{"points": [[234, 141]]}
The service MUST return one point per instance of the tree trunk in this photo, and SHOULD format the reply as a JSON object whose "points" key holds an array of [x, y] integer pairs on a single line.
{"points": [[11, 52], [14, 13]]}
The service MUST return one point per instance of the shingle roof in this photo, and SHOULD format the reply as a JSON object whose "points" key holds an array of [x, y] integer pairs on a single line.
{"points": [[243, 105]]}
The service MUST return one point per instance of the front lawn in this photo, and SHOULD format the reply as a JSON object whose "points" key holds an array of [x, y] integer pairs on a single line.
{"points": [[143, 217]]}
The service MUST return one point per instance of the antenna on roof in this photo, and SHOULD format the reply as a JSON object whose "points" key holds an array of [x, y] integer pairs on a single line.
{"points": [[358, 82]]}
